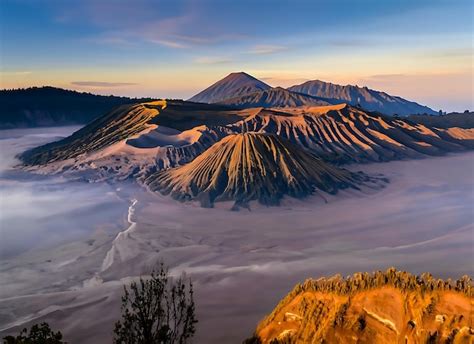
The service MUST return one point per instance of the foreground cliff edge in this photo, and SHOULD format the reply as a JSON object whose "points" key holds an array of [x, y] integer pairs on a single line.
{"points": [[382, 307]]}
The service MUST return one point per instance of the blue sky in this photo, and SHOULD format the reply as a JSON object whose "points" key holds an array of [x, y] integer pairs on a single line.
{"points": [[421, 50]]}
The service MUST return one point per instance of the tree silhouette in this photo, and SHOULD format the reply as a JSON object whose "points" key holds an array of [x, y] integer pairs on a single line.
{"points": [[156, 310], [39, 334]]}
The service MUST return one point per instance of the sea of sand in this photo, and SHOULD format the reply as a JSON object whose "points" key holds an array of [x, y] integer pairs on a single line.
{"points": [[241, 263]]}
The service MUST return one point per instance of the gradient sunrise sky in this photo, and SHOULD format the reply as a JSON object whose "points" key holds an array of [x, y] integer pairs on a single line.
{"points": [[420, 50]]}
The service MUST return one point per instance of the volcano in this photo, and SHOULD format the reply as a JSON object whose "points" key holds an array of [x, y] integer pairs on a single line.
{"points": [[252, 166], [233, 85]]}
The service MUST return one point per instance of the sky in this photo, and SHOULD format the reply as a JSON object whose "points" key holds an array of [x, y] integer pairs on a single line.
{"points": [[420, 50]]}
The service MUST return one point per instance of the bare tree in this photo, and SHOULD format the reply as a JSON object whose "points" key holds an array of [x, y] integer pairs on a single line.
{"points": [[157, 310]]}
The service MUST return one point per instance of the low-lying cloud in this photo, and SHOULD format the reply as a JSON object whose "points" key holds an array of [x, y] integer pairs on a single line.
{"points": [[101, 83]]}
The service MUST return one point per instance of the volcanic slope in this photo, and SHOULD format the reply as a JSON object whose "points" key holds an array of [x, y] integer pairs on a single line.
{"points": [[134, 141], [383, 307], [120, 123], [368, 99], [275, 98], [345, 134], [129, 122], [251, 166], [233, 85]]}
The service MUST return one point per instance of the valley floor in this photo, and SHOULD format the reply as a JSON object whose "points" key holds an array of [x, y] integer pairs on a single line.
{"points": [[242, 263]]}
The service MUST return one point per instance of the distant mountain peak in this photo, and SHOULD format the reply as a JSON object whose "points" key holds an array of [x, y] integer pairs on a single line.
{"points": [[242, 73], [367, 98], [233, 85]]}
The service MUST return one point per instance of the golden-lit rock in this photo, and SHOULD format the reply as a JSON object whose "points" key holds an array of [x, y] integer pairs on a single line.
{"points": [[383, 307], [253, 166]]}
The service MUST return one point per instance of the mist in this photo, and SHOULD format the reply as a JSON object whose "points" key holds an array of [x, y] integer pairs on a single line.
{"points": [[57, 236], [39, 212]]}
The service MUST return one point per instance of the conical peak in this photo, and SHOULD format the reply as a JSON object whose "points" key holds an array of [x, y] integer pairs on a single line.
{"points": [[252, 166]]}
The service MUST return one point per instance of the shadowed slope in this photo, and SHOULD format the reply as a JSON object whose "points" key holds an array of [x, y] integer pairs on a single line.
{"points": [[463, 120], [250, 166], [384, 307], [274, 97]]}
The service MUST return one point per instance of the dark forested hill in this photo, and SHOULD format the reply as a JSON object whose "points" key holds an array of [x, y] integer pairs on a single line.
{"points": [[50, 106]]}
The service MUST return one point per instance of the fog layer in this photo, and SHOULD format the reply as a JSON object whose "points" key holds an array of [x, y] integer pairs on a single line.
{"points": [[242, 263]]}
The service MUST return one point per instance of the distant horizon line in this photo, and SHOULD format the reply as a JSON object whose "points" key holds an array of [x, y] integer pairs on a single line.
{"points": [[104, 85]]}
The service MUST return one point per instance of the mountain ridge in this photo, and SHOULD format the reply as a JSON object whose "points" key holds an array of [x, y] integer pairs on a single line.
{"points": [[134, 141], [242, 85], [274, 97], [364, 97]]}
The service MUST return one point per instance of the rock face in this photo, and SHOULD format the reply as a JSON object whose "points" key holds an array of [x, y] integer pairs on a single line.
{"points": [[383, 307], [366, 98], [233, 85], [343, 134], [251, 166], [274, 97]]}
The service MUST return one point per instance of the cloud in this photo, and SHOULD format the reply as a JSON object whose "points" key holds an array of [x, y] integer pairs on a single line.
{"points": [[183, 28], [18, 73], [264, 49], [101, 83], [212, 60], [169, 44], [382, 77]]}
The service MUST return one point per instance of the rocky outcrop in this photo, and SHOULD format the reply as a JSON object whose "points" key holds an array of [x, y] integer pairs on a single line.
{"points": [[383, 307]]}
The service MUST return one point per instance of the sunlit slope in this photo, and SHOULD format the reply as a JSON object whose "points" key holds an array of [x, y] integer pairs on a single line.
{"points": [[128, 121], [251, 166], [342, 133], [118, 124], [390, 307]]}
